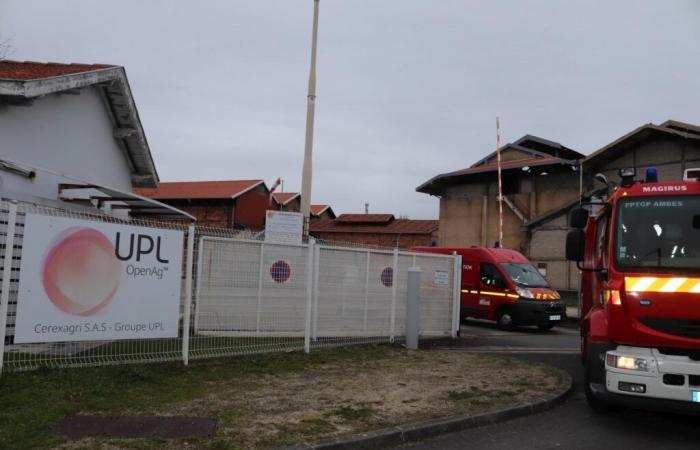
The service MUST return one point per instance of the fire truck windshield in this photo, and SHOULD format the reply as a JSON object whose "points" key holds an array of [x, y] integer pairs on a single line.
{"points": [[658, 232], [524, 275]]}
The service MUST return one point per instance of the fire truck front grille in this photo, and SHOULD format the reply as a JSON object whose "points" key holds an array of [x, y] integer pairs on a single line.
{"points": [[692, 354], [678, 327]]}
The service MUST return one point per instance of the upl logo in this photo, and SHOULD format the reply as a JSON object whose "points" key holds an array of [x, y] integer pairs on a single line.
{"points": [[82, 270]]}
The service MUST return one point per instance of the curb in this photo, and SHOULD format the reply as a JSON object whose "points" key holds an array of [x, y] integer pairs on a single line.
{"points": [[403, 434]]}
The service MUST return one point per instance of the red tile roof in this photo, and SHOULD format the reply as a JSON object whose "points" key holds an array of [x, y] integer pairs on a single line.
{"points": [[284, 197], [365, 218], [199, 189], [318, 209], [396, 226], [30, 70]]}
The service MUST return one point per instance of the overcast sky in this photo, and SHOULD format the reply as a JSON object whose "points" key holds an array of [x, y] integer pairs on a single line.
{"points": [[407, 89]]}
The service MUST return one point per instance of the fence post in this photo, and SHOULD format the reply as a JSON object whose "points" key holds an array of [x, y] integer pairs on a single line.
{"points": [[317, 259], [394, 277], [6, 275], [413, 308], [456, 302], [260, 284], [309, 294], [188, 297], [200, 252], [364, 321]]}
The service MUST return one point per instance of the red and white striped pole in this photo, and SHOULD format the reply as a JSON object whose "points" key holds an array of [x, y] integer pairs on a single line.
{"points": [[500, 184]]}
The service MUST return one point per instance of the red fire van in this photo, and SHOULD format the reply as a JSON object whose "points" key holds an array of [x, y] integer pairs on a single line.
{"points": [[502, 285]]}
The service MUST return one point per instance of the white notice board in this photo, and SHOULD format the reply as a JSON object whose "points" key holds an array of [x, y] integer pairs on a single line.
{"points": [[282, 226]]}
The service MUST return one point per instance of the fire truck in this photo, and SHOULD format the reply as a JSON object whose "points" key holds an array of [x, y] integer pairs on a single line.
{"points": [[638, 249]]}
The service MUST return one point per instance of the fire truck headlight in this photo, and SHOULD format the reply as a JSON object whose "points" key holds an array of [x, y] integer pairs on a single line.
{"points": [[627, 362], [526, 293]]}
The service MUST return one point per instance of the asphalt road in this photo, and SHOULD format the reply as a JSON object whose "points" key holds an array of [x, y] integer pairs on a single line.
{"points": [[571, 425]]}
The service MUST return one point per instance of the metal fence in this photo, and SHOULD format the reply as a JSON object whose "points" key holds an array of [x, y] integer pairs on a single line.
{"points": [[243, 296]]}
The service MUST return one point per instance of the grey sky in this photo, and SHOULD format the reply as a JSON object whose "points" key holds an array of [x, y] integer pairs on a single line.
{"points": [[407, 89]]}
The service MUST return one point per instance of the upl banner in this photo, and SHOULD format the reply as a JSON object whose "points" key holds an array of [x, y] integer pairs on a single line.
{"points": [[82, 280]]}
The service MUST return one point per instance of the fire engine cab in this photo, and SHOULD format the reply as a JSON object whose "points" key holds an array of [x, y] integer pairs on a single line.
{"points": [[639, 252]]}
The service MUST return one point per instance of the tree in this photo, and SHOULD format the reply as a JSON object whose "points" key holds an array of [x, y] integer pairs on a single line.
{"points": [[6, 48]]}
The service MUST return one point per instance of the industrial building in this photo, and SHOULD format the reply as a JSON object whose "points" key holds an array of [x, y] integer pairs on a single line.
{"points": [[542, 181]]}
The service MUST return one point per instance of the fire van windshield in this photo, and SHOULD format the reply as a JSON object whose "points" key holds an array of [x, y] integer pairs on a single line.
{"points": [[524, 275], [658, 232]]}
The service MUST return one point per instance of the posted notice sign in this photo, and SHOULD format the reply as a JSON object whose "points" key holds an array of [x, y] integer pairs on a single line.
{"points": [[441, 277], [282, 226], [82, 280]]}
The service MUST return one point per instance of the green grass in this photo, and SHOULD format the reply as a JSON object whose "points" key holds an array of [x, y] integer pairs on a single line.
{"points": [[31, 402], [349, 414]]}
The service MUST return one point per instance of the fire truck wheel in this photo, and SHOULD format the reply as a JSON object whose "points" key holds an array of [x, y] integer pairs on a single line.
{"points": [[593, 372], [505, 320]]}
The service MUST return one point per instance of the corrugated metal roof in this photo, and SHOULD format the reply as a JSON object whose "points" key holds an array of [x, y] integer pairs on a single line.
{"points": [[200, 189]]}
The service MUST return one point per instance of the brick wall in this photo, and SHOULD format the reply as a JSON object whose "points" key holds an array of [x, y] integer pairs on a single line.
{"points": [[209, 213]]}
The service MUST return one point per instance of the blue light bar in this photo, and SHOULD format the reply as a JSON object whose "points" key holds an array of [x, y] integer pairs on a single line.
{"points": [[652, 175]]}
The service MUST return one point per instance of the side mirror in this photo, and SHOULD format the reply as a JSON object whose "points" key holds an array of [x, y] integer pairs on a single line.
{"points": [[575, 245], [601, 178], [578, 217]]}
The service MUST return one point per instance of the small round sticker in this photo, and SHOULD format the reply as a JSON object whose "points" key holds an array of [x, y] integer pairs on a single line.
{"points": [[387, 276], [280, 271]]}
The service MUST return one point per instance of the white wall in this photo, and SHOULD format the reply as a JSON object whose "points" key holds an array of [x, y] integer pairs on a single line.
{"points": [[69, 134]]}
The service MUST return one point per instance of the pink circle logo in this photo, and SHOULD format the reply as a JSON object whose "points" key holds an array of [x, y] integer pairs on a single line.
{"points": [[81, 272]]}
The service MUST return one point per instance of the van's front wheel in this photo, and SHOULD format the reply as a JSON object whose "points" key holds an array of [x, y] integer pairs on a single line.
{"points": [[505, 320]]}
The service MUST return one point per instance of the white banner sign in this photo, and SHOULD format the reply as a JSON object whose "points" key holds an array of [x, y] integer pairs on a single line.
{"points": [[82, 280], [282, 226]]}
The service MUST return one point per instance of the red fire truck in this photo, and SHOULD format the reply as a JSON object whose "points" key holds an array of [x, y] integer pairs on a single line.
{"points": [[639, 253]]}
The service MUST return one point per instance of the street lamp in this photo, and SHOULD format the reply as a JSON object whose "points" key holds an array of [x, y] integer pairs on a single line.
{"points": [[308, 146]]}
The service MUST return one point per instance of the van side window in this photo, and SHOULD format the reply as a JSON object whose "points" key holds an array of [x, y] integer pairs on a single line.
{"points": [[491, 277]]}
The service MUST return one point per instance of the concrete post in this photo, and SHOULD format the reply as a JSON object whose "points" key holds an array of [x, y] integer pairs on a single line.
{"points": [[413, 308], [188, 297]]}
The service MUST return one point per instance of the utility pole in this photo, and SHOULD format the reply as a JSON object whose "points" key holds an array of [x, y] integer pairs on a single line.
{"points": [[308, 147]]}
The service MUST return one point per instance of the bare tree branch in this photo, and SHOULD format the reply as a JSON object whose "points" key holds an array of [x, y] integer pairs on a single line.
{"points": [[6, 48]]}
